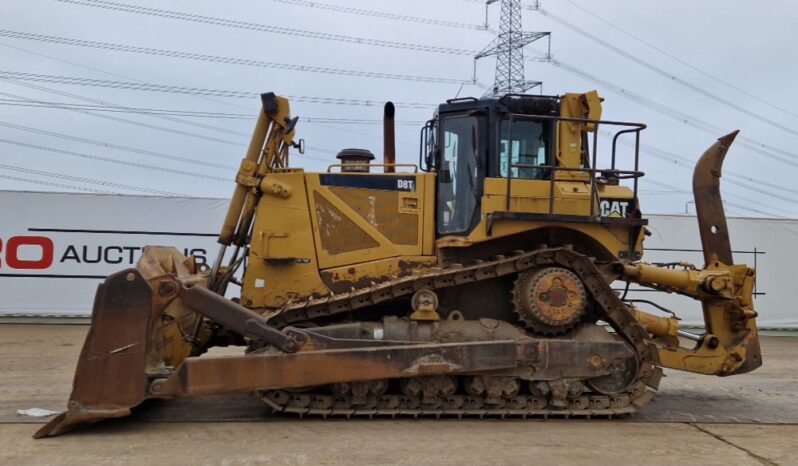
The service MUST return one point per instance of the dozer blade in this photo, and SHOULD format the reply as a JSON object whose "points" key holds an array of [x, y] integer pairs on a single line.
{"points": [[138, 329], [145, 322], [111, 374]]}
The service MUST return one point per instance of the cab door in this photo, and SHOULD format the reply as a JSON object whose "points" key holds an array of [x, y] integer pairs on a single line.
{"points": [[460, 174]]}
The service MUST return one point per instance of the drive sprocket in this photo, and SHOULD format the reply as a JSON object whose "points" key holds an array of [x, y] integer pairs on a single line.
{"points": [[549, 300]]}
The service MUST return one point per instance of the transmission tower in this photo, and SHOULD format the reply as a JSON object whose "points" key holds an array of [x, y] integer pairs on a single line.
{"points": [[508, 46]]}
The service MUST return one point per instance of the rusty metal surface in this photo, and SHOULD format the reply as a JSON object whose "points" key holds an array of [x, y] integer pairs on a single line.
{"points": [[235, 317], [38, 361], [549, 300], [627, 385], [551, 359], [617, 314], [453, 329], [204, 376], [554, 361], [708, 203], [111, 371]]}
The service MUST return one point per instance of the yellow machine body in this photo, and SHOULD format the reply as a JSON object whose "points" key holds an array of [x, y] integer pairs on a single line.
{"points": [[334, 232], [478, 281]]}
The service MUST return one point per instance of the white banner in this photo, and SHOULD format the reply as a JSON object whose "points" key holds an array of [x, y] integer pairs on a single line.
{"points": [[56, 248]]}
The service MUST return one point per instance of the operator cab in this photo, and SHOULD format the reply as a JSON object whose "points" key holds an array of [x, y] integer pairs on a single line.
{"points": [[511, 141], [476, 139]]}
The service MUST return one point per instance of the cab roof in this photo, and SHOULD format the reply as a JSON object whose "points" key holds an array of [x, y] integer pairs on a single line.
{"points": [[527, 104]]}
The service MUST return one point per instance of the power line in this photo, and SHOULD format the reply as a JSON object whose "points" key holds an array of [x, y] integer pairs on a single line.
{"points": [[104, 4], [139, 110], [679, 60], [116, 75], [689, 164], [144, 124], [664, 72], [357, 121], [77, 81], [113, 118], [109, 145], [194, 113], [366, 41], [94, 2], [751, 144], [624, 93], [224, 59], [111, 107], [330, 120], [54, 185], [126, 77], [663, 193], [757, 210], [729, 176], [25, 35], [333, 151], [380, 14], [87, 180], [341, 130], [120, 108], [736, 182], [115, 161], [739, 206], [137, 123], [160, 115], [163, 117], [231, 23]]}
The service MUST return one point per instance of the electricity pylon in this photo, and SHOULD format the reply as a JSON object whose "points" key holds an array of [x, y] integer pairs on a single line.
{"points": [[508, 46]]}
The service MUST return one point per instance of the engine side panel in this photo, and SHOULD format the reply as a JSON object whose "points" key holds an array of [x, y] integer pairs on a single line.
{"points": [[282, 263], [359, 218]]}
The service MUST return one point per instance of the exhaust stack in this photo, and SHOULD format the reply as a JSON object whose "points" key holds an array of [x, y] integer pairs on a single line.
{"points": [[389, 138]]}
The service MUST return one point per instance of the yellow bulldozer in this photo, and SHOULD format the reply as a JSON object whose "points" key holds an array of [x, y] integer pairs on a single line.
{"points": [[477, 282]]}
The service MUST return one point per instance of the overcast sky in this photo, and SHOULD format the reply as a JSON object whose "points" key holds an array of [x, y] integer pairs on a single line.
{"points": [[747, 45]]}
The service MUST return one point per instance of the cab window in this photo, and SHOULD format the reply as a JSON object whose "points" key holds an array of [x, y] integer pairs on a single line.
{"points": [[458, 194], [528, 145]]}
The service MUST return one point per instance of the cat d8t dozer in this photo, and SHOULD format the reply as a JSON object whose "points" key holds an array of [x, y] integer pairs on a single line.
{"points": [[478, 282]]}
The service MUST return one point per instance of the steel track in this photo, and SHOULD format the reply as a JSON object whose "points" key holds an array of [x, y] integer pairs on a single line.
{"points": [[612, 310]]}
